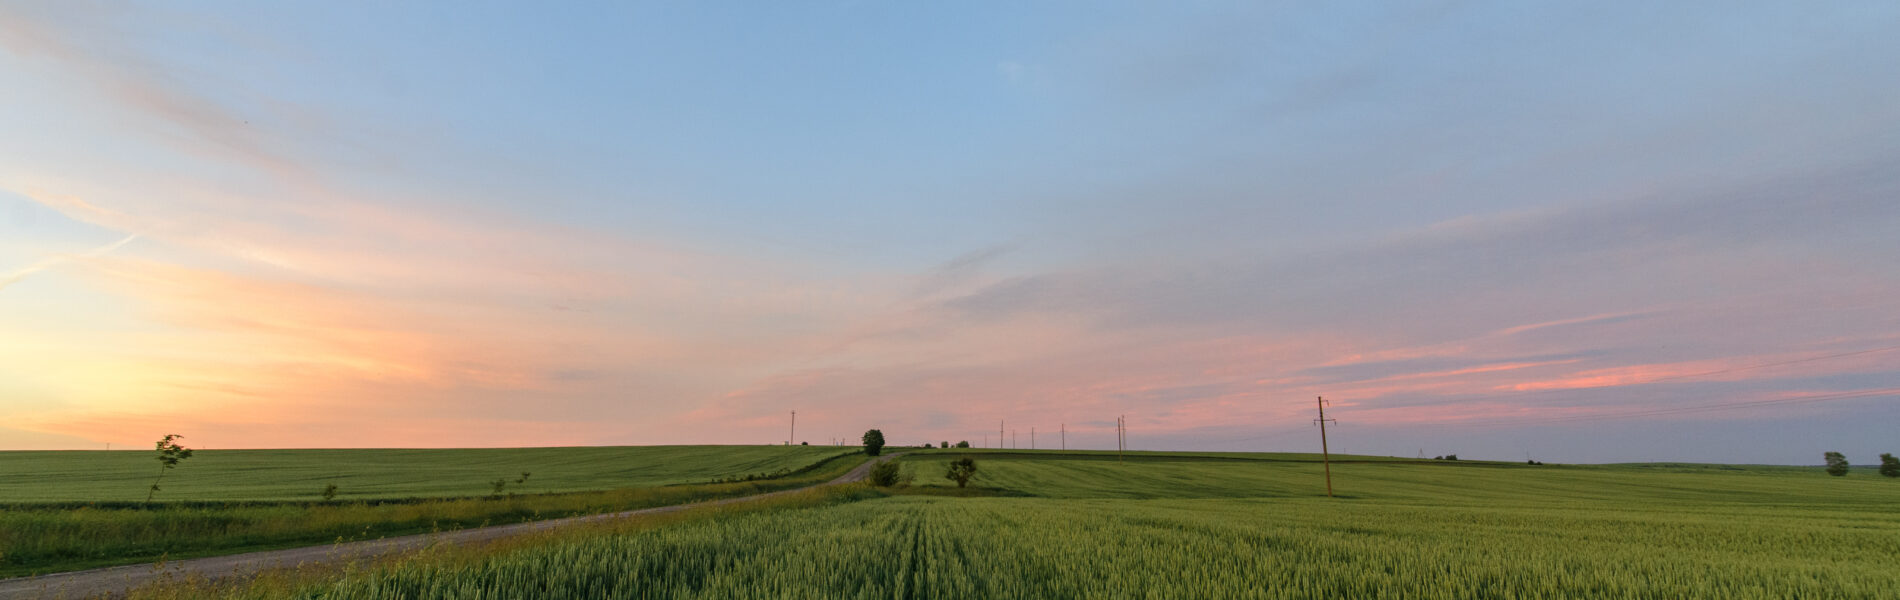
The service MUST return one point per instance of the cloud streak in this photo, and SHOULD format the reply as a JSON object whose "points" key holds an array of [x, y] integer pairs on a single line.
{"points": [[16, 275]]}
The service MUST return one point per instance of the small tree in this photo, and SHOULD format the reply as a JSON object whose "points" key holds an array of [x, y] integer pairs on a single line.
{"points": [[885, 474], [1889, 465], [961, 470], [329, 492], [499, 485], [1836, 463], [169, 453], [873, 442], [944, 444], [963, 444]]}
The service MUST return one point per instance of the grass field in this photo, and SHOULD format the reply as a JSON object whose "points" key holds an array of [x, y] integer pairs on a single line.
{"points": [[38, 538], [269, 475], [1080, 526]]}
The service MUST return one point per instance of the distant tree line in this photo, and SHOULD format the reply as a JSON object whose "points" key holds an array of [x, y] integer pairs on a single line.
{"points": [[1837, 464]]}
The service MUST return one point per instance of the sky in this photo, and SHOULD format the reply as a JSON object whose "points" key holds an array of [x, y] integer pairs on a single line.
{"points": [[1570, 232]]}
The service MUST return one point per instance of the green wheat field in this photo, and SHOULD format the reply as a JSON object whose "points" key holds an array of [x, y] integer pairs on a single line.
{"points": [[1047, 524]]}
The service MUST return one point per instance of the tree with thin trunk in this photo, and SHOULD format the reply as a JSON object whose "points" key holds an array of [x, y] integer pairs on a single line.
{"points": [[1836, 463], [874, 442], [169, 453]]}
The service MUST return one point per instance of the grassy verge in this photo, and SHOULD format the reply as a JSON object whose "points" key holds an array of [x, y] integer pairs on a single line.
{"points": [[382, 474], [37, 540], [315, 581]]}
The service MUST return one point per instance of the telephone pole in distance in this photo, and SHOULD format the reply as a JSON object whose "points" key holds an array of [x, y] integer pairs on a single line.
{"points": [[1326, 456]]}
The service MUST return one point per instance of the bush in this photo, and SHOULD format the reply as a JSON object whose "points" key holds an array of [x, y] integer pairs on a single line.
{"points": [[886, 474], [944, 444], [961, 470], [963, 444], [873, 442], [1889, 465], [1836, 463]]}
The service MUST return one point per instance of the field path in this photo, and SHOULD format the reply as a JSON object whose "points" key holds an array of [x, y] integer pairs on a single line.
{"points": [[110, 581]]}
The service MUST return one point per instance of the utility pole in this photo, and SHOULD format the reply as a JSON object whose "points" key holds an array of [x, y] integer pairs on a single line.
{"points": [[1065, 436], [1121, 437], [986, 440], [794, 439], [1326, 456], [1012, 440], [1032, 438], [999, 434]]}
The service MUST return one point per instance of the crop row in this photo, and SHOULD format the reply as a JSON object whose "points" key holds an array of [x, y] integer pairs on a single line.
{"points": [[910, 547]]}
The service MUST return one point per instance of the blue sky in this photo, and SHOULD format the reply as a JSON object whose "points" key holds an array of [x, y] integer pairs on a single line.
{"points": [[484, 223]]}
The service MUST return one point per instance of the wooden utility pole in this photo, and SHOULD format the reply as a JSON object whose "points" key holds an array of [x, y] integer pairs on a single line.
{"points": [[999, 434], [1032, 437], [794, 439], [1326, 456], [1065, 436], [1121, 437]]}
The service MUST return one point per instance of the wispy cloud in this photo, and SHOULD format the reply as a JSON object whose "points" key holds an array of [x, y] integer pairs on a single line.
{"points": [[46, 263]]}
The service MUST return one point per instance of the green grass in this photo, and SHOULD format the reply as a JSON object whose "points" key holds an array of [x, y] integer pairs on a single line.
{"points": [[1432, 482], [51, 538], [274, 475], [1212, 526]]}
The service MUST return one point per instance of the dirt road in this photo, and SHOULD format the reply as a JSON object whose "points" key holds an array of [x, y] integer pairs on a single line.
{"points": [[114, 580]]}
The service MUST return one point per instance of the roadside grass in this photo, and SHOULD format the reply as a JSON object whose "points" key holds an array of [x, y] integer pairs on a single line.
{"points": [[311, 580], [37, 540], [381, 474]]}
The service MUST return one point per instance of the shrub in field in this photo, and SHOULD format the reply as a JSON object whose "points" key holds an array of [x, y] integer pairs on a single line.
{"points": [[1889, 465], [329, 492], [944, 444], [169, 453], [963, 444], [1836, 463], [873, 442], [961, 470], [886, 474]]}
